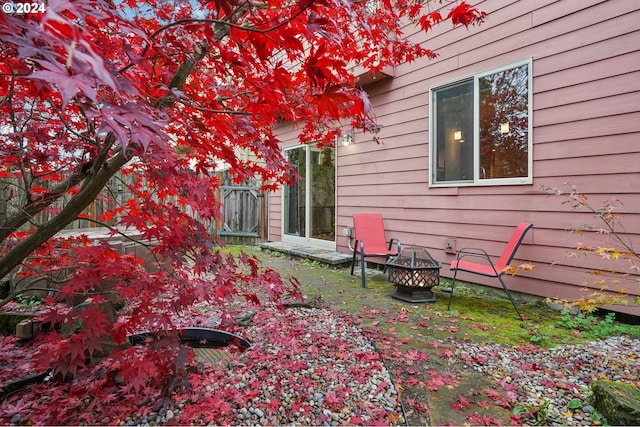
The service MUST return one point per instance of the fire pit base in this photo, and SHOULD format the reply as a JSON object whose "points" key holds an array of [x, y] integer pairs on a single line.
{"points": [[413, 294]]}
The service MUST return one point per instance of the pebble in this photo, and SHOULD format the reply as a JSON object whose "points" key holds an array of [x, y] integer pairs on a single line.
{"points": [[558, 375]]}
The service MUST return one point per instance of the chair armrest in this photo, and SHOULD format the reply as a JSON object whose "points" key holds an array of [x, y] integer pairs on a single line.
{"points": [[470, 251], [397, 242], [476, 253], [358, 246]]}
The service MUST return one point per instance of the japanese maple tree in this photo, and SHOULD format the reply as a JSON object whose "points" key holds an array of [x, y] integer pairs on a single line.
{"points": [[165, 93]]}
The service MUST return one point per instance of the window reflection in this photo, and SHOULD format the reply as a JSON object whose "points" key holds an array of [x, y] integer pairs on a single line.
{"points": [[504, 124]]}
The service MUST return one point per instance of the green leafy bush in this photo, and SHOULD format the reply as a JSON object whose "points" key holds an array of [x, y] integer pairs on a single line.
{"points": [[592, 326]]}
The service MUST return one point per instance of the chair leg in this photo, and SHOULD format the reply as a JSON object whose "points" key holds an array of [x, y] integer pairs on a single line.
{"points": [[353, 261], [453, 284], [504, 286], [363, 266]]}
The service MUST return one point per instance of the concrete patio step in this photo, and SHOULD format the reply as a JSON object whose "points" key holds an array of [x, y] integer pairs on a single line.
{"points": [[333, 258]]}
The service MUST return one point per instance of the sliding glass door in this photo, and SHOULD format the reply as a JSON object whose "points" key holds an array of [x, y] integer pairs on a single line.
{"points": [[310, 203]]}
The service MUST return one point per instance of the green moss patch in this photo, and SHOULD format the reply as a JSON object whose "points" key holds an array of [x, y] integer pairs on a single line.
{"points": [[618, 402]]}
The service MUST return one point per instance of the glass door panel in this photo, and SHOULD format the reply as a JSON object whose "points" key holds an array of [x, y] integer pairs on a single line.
{"points": [[295, 195], [323, 193], [310, 203]]}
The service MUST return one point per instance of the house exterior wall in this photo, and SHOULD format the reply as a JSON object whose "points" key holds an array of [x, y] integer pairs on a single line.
{"points": [[586, 131]]}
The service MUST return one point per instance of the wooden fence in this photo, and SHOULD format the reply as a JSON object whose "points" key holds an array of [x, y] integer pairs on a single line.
{"points": [[244, 213]]}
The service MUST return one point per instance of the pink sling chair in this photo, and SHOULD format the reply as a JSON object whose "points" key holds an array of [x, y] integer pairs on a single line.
{"points": [[370, 241], [487, 268]]}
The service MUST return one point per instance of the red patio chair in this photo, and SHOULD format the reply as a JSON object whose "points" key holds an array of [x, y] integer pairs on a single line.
{"points": [[370, 241], [487, 267]]}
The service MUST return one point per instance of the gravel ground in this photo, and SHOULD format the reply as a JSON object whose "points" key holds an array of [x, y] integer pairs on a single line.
{"points": [[316, 367], [313, 367], [557, 378], [335, 375], [305, 367]]}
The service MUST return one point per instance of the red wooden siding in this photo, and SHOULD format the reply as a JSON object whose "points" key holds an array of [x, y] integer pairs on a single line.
{"points": [[586, 131]]}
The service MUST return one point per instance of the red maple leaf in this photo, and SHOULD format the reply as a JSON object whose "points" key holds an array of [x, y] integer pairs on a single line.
{"points": [[448, 353], [334, 401], [356, 420], [483, 420], [466, 15], [412, 381], [416, 355], [417, 406], [492, 394], [69, 85], [499, 399], [462, 402], [434, 383]]}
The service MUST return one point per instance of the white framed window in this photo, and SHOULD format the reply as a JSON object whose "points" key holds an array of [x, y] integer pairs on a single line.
{"points": [[480, 130]]}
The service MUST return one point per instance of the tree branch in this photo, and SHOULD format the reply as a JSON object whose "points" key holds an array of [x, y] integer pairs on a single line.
{"points": [[89, 191], [34, 207], [95, 179]]}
